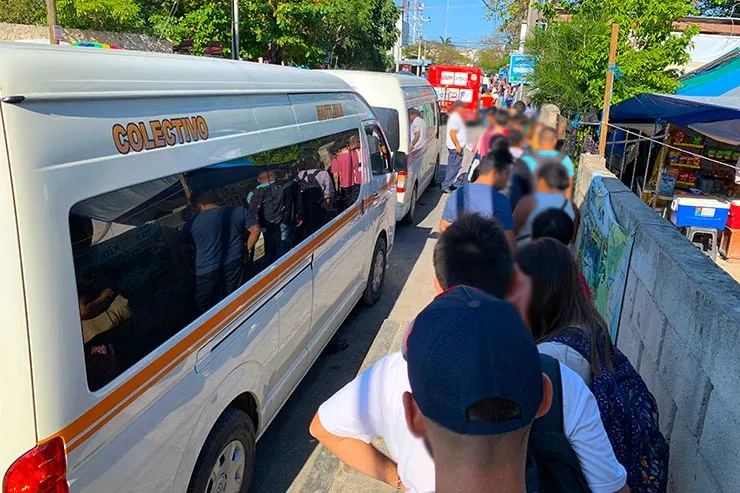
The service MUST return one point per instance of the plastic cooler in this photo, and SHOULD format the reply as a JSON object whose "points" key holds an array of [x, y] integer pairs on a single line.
{"points": [[734, 220], [699, 212]]}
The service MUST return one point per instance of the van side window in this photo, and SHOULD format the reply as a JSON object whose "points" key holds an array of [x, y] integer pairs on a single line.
{"points": [[380, 156], [427, 112], [151, 258]]}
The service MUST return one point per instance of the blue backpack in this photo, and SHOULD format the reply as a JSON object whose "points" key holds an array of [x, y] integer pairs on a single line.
{"points": [[630, 416]]}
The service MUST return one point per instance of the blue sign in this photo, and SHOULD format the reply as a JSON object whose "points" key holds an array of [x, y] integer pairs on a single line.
{"points": [[520, 67]]}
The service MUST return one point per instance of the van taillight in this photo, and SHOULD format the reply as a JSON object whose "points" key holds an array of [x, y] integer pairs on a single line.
{"points": [[43, 469], [401, 182]]}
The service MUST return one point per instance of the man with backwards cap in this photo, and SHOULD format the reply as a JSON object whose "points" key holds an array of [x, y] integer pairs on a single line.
{"points": [[476, 388], [371, 406]]}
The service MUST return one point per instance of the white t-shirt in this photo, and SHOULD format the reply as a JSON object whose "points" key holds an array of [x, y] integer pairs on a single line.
{"points": [[371, 406], [416, 126], [569, 357], [456, 123]]}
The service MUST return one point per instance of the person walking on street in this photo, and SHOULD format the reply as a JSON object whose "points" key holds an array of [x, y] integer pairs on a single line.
{"points": [[456, 140], [551, 192], [547, 141], [483, 196]]}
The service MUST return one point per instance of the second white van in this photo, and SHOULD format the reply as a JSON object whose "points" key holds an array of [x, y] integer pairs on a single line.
{"points": [[408, 111]]}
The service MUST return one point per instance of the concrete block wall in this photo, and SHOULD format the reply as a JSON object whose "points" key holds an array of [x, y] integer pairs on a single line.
{"points": [[128, 41], [680, 327]]}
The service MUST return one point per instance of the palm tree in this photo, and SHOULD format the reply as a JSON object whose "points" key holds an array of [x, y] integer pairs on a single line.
{"points": [[445, 41]]}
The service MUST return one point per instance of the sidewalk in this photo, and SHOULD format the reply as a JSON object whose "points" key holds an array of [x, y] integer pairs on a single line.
{"points": [[323, 472]]}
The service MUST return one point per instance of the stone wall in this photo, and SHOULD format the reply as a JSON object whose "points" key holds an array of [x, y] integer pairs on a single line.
{"points": [[680, 327], [128, 41]]}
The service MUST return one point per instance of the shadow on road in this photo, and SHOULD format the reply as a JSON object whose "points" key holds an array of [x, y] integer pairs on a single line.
{"points": [[286, 445]]}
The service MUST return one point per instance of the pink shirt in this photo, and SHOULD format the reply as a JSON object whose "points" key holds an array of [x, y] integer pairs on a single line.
{"points": [[345, 165], [485, 141]]}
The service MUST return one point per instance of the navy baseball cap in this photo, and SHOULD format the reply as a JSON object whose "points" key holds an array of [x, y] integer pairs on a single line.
{"points": [[464, 347]]}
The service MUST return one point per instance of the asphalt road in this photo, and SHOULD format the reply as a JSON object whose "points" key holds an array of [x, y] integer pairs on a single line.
{"points": [[288, 459]]}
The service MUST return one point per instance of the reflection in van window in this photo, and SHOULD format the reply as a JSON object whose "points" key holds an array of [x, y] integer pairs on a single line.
{"points": [[152, 257], [380, 156]]}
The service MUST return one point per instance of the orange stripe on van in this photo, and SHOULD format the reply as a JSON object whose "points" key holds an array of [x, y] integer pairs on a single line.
{"points": [[97, 416]]}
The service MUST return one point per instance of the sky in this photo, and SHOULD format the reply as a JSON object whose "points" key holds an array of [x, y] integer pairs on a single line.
{"points": [[466, 24]]}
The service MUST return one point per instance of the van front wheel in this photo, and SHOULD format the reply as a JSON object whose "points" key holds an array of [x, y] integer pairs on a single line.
{"points": [[226, 461], [376, 279]]}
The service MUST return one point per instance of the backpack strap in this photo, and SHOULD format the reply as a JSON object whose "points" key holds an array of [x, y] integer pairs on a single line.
{"points": [[553, 420]]}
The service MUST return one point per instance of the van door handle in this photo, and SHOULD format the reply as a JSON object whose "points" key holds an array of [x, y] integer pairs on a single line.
{"points": [[376, 194]]}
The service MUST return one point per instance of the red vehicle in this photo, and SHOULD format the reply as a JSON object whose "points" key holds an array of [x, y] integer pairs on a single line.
{"points": [[453, 83]]}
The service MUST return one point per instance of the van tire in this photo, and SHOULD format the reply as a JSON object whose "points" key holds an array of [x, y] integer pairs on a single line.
{"points": [[408, 219], [435, 173], [234, 425], [374, 287]]}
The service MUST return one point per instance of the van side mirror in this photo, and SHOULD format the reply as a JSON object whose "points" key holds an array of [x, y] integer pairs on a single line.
{"points": [[400, 162]]}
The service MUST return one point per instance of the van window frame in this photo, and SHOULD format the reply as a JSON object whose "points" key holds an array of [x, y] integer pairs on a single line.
{"points": [[199, 319]]}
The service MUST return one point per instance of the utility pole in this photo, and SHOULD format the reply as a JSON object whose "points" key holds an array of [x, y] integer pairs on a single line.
{"points": [[608, 91], [235, 30], [447, 18], [51, 17], [418, 59]]}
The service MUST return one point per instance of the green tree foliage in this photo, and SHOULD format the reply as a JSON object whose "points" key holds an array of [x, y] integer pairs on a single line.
{"points": [[439, 53], [118, 15], [23, 11], [492, 55], [349, 33], [510, 14], [572, 56]]}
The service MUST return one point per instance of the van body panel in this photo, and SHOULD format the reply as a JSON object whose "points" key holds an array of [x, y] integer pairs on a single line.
{"points": [[401, 92], [144, 428], [17, 416]]}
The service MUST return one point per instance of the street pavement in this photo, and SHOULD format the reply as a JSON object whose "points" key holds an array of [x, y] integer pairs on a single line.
{"points": [[288, 458]]}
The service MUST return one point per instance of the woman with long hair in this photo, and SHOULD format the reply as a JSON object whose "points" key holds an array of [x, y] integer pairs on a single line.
{"points": [[567, 327], [559, 304]]}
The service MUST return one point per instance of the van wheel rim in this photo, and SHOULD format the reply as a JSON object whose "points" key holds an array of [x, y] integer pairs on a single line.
{"points": [[378, 270], [228, 471]]}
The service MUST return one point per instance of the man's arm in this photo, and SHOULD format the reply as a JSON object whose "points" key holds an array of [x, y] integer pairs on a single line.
{"points": [[357, 454], [511, 239], [523, 209], [417, 136], [254, 234], [453, 137], [443, 225]]}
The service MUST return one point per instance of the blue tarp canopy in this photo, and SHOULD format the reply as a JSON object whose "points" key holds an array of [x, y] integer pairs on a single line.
{"points": [[681, 110], [708, 101]]}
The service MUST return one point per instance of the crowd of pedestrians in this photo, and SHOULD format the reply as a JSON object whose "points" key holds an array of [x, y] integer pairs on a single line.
{"points": [[507, 381]]}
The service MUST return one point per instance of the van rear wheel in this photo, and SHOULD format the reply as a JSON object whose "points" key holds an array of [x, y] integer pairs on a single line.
{"points": [[226, 461], [435, 173], [376, 279]]}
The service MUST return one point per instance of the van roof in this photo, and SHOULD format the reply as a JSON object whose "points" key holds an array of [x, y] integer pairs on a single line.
{"points": [[403, 80], [55, 72]]}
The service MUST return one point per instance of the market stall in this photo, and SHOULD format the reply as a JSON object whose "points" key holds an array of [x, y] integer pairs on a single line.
{"points": [[695, 168]]}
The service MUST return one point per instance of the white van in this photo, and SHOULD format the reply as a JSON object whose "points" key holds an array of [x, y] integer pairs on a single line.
{"points": [[180, 238], [393, 96]]}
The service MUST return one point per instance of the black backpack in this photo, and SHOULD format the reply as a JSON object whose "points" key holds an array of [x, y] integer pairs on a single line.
{"points": [[311, 187], [552, 464], [275, 203]]}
